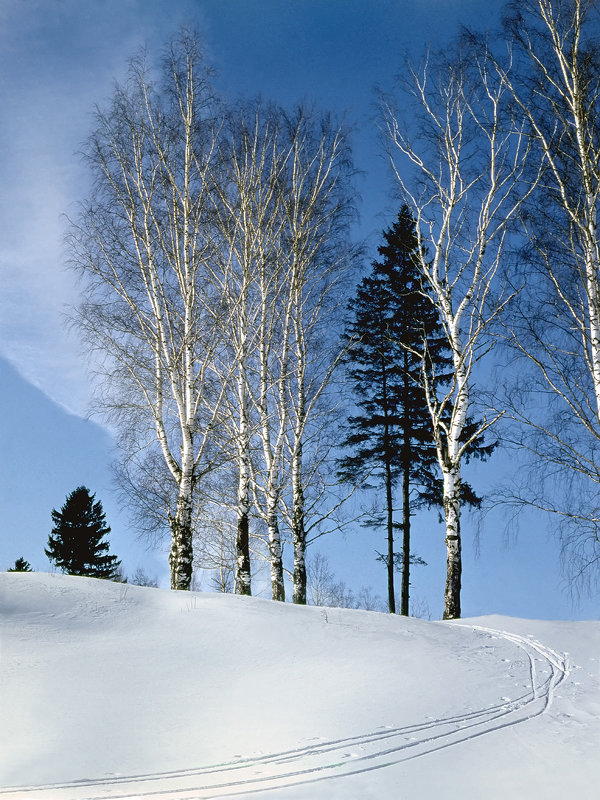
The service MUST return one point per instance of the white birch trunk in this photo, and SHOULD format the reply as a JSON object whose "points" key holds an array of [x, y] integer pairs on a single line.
{"points": [[467, 192], [142, 242], [272, 407], [275, 552], [450, 462], [298, 507], [181, 558], [563, 76], [591, 245], [587, 152], [252, 227], [298, 528], [243, 584], [452, 485], [181, 554]]}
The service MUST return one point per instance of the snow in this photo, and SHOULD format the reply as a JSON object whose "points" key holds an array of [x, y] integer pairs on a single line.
{"points": [[111, 690]]}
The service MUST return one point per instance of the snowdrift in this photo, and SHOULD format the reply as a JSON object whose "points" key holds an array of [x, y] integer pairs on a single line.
{"points": [[110, 690]]}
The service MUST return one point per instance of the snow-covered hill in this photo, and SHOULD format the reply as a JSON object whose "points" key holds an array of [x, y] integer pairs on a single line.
{"points": [[111, 690]]}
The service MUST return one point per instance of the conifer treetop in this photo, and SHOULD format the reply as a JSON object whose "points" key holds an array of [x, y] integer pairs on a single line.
{"points": [[77, 544]]}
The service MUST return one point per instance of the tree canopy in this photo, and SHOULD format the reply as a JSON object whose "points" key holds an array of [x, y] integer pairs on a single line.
{"points": [[77, 543]]}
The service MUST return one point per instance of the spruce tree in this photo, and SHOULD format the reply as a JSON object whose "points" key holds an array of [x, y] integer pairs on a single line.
{"points": [[391, 438], [76, 544], [21, 565]]}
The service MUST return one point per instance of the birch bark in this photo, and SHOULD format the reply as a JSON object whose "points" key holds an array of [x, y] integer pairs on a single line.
{"points": [[466, 191], [243, 575], [145, 249], [562, 117], [250, 221], [316, 206], [554, 399]]}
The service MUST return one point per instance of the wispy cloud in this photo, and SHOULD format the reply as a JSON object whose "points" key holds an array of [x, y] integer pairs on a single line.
{"points": [[57, 58]]}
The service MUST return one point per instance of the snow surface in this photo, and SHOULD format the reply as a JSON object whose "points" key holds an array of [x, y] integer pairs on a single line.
{"points": [[111, 690]]}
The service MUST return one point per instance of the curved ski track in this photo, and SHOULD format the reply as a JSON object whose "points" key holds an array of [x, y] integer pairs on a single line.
{"points": [[326, 759]]}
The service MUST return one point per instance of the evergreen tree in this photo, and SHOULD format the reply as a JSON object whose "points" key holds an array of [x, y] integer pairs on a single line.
{"points": [[76, 544], [391, 439], [21, 566]]}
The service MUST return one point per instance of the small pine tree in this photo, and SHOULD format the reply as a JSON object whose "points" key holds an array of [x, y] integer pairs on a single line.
{"points": [[76, 544], [21, 566]]}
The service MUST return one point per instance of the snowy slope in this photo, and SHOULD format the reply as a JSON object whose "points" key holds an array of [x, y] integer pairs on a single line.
{"points": [[110, 690]]}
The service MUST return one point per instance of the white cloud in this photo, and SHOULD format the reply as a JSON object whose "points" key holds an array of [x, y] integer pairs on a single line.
{"points": [[57, 59]]}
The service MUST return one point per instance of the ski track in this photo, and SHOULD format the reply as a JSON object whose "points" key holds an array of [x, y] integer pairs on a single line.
{"points": [[328, 759]]}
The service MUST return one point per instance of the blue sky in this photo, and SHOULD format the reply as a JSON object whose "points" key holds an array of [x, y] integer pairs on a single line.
{"points": [[60, 57]]}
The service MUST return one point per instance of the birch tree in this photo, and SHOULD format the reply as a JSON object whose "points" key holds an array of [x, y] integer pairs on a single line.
{"points": [[390, 441], [144, 246], [556, 327], [273, 281], [318, 207], [258, 296], [283, 214], [459, 172]]}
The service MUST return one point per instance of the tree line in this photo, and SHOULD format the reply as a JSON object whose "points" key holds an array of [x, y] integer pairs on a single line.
{"points": [[78, 545], [215, 249], [212, 246]]}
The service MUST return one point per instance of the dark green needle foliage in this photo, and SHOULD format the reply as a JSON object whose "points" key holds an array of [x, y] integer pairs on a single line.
{"points": [[77, 544], [390, 441], [21, 566], [390, 438]]}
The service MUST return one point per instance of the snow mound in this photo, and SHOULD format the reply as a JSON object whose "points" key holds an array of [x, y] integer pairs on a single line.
{"points": [[111, 690]]}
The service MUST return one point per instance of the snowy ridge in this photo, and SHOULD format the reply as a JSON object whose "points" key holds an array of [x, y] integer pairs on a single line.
{"points": [[363, 744]]}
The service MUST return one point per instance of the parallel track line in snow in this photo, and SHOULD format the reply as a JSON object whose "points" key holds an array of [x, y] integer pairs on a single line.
{"points": [[326, 760], [284, 755]]}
